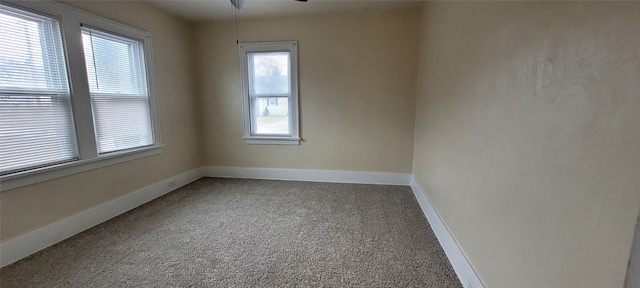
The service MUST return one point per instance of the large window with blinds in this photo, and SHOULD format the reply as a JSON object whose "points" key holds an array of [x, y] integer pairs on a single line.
{"points": [[71, 94], [35, 102], [118, 88]]}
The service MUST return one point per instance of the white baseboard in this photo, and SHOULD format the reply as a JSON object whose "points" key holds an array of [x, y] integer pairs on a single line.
{"points": [[32, 242], [334, 176], [458, 260]]}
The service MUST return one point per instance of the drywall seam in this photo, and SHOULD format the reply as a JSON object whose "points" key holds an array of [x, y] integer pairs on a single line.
{"points": [[335, 176], [458, 260], [32, 242]]}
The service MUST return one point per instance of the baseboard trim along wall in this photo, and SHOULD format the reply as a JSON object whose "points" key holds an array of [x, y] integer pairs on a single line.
{"points": [[32, 242], [458, 260], [334, 176]]}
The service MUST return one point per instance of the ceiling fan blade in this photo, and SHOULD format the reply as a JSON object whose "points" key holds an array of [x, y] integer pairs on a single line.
{"points": [[237, 3]]}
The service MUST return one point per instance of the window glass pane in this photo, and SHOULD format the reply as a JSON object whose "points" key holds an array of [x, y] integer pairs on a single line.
{"points": [[118, 86], [36, 122], [32, 56], [271, 115], [269, 73], [114, 64]]}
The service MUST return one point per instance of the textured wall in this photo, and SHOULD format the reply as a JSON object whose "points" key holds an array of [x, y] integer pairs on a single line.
{"points": [[528, 136], [357, 75], [31, 207]]}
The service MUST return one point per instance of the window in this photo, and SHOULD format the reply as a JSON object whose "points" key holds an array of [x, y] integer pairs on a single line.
{"points": [[270, 92], [35, 102], [73, 97], [118, 88]]}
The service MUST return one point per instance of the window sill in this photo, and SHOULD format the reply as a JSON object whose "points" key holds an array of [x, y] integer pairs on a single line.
{"points": [[271, 141], [25, 178]]}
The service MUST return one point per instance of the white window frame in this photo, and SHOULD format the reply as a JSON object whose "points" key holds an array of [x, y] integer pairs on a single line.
{"points": [[71, 19], [257, 47]]}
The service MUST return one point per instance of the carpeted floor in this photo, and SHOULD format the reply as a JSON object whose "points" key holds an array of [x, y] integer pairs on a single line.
{"points": [[251, 233]]}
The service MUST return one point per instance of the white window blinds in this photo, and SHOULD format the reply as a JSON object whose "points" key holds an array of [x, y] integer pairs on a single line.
{"points": [[119, 93], [36, 123]]}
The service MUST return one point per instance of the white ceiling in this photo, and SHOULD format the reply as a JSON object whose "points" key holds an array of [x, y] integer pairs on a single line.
{"points": [[198, 10]]}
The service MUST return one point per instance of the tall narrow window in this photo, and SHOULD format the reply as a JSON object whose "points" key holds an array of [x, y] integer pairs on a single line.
{"points": [[37, 127], [118, 88], [270, 92]]}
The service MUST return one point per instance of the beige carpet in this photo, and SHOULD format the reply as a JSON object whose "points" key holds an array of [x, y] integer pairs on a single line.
{"points": [[251, 233]]}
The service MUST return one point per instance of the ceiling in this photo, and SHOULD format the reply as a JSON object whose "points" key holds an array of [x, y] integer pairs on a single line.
{"points": [[201, 10]]}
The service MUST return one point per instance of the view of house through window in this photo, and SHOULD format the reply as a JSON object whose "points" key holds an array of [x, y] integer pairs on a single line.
{"points": [[271, 92], [270, 87]]}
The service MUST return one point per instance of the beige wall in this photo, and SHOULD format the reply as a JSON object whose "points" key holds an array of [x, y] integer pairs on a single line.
{"points": [[357, 91], [526, 123], [31, 207], [528, 138]]}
